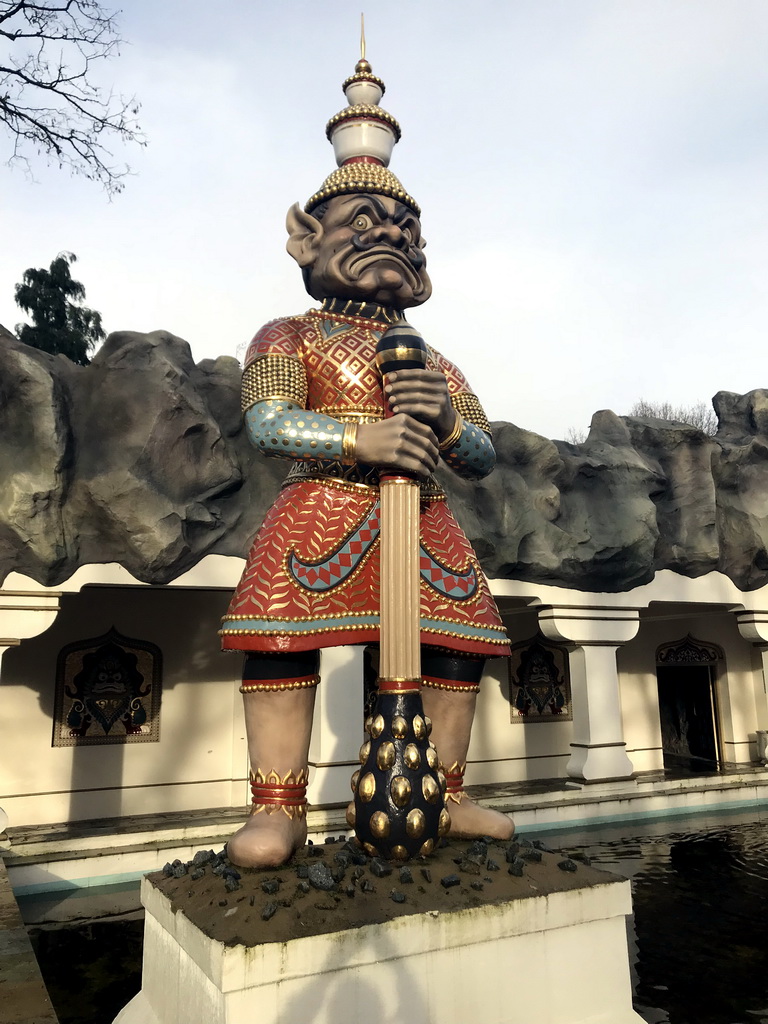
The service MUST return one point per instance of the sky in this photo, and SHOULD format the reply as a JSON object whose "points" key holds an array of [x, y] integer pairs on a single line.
{"points": [[593, 176]]}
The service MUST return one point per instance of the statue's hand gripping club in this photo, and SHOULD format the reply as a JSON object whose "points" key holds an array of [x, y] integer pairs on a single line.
{"points": [[398, 808]]}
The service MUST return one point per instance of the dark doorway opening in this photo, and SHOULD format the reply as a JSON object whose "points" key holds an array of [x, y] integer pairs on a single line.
{"points": [[688, 722]]}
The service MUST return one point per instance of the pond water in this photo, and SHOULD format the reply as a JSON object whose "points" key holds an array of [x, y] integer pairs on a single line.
{"points": [[700, 897], [697, 941]]}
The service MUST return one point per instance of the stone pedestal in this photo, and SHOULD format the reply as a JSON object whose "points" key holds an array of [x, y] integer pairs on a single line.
{"points": [[559, 958]]}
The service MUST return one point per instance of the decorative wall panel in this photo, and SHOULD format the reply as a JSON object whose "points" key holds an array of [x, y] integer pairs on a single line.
{"points": [[539, 683], [107, 691]]}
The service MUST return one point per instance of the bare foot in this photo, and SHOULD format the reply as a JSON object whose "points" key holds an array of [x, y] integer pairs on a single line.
{"points": [[267, 840], [469, 821]]}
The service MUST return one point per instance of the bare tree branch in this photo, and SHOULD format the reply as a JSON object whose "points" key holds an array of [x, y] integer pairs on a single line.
{"points": [[700, 414], [48, 102]]}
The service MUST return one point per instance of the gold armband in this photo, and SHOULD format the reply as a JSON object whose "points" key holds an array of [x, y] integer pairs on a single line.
{"points": [[467, 405], [454, 434], [349, 444], [274, 377]]}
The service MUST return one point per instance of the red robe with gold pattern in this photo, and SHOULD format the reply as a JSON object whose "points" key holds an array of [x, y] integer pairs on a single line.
{"points": [[312, 575]]}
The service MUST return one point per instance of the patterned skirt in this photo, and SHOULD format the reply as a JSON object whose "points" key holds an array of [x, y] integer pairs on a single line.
{"points": [[312, 577]]}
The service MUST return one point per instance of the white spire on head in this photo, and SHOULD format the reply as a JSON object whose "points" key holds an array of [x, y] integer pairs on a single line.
{"points": [[363, 136], [363, 131]]}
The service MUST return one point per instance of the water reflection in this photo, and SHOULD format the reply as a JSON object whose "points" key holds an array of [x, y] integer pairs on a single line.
{"points": [[700, 892]]}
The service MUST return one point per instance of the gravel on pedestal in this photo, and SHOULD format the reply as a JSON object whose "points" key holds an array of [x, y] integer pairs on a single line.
{"points": [[319, 891]]}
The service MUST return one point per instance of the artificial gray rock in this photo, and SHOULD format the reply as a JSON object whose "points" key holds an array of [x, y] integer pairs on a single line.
{"points": [[141, 459]]}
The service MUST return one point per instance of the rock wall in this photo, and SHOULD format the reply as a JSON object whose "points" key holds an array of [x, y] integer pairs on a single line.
{"points": [[140, 459]]}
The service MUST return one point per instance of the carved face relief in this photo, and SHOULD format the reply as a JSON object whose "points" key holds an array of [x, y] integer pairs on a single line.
{"points": [[364, 247]]}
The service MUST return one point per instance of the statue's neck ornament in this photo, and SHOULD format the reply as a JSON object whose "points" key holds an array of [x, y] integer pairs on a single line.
{"points": [[363, 310]]}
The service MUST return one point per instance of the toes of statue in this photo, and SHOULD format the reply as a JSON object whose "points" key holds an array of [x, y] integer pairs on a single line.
{"points": [[469, 821], [267, 840]]}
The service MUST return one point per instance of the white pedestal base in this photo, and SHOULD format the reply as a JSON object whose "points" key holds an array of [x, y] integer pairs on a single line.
{"points": [[554, 959]]}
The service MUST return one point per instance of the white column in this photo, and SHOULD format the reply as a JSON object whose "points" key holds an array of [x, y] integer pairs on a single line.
{"points": [[338, 727], [753, 626], [599, 751], [23, 613]]}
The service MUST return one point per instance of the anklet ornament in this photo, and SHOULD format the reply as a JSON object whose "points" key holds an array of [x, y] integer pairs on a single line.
{"points": [[454, 778], [272, 794]]}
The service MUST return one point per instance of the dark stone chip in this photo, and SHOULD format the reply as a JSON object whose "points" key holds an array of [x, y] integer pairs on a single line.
{"points": [[487, 879], [540, 845], [368, 886], [525, 843], [167, 870], [397, 897], [476, 858], [343, 858], [270, 909], [478, 848], [179, 870], [232, 873], [380, 868], [338, 872], [203, 857], [511, 853], [223, 903], [316, 851], [303, 887], [488, 840], [532, 856], [320, 877], [469, 867], [426, 874], [491, 865], [270, 886], [302, 870], [568, 865], [329, 840], [350, 890], [357, 853], [516, 867], [343, 839], [449, 881], [252, 900], [357, 873], [231, 884], [197, 874], [477, 886], [406, 876], [219, 869]]}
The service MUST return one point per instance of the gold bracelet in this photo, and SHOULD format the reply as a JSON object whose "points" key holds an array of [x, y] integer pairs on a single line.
{"points": [[454, 435], [348, 444]]}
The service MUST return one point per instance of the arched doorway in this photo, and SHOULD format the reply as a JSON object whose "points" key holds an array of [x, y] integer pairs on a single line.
{"points": [[690, 736]]}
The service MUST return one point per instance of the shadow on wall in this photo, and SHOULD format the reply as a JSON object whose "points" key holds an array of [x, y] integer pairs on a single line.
{"points": [[200, 744]]}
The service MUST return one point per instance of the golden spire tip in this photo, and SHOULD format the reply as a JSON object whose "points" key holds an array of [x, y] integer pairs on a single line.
{"points": [[362, 36]]}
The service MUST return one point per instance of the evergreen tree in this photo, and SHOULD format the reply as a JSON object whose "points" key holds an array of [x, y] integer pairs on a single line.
{"points": [[60, 325]]}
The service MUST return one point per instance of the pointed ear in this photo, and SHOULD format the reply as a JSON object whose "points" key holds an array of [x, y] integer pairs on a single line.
{"points": [[304, 234]]}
